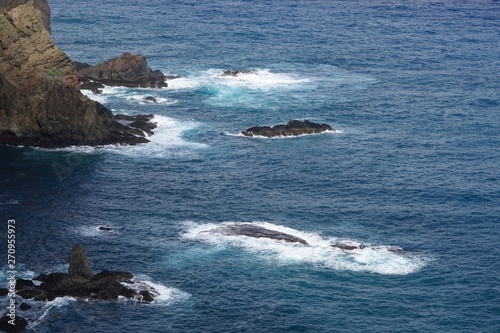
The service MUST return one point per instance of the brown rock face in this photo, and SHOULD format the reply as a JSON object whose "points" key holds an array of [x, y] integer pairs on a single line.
{"points": [[40, 101], [126, 70], [42, 5]]}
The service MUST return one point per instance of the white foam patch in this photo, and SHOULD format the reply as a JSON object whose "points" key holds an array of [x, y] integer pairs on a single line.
{"points": [[262, 79], [132, 95], [165, 141], [48, 307], [373, 259], [163, 295], [258, 79], [94, 231], [167, 295]]}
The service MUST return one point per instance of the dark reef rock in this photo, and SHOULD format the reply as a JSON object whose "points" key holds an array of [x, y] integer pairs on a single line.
{"points": [[24, 306], [40, 100], [150, 99], [142, 123], [127, 70], [234, 72], [352, 247], [250, 230], [293, 128], [93, 86], [79, 282], [19, 324]]}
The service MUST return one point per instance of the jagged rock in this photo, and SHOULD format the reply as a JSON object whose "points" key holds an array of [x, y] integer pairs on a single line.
{"points": [[93, 86], [292, 128], [78, 264], [233, 72], [142, 123], [80, 283], [40, 100], [22, 283], [244, 229], [19, 324], [127, 70]]}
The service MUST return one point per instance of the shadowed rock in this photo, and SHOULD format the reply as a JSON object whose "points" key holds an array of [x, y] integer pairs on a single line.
{"points": [[292, 128], [78, 264], [258, 232], [79, 282], [19, 324]]}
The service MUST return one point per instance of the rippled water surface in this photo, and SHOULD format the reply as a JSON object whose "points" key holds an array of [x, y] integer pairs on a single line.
{"points": [[412, 90]]}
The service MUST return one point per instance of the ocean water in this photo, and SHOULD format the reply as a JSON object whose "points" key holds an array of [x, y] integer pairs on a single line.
{"points": [[413, 91]]}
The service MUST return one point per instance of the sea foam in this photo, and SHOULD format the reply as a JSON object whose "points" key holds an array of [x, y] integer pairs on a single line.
{"points": [[373, 259]]}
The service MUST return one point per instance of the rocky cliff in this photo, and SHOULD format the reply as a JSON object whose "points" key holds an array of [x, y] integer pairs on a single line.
{"points": [[40, 99], [42, 5]]}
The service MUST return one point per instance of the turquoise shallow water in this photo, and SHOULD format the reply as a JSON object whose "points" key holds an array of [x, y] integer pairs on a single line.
{"points": [[412, 90]]}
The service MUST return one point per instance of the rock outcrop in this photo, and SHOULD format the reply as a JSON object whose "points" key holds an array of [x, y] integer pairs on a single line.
{"points": [[127, 70], [292, 128], [40, 99], [81, 283], [256, 231], [250, 230]]}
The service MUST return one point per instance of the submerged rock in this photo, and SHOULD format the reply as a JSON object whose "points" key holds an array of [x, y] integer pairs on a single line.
{"points": [[292, 128], [352, 247], [234, 72], [255, 231], [150, 99], [129, 70]]}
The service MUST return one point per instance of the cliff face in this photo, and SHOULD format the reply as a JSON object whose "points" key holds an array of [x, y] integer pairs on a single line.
{"points": [[42, 5], [40, 101]]}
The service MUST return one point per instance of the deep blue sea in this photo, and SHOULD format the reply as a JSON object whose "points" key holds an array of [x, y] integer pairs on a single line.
{"points": [[413, 91]]}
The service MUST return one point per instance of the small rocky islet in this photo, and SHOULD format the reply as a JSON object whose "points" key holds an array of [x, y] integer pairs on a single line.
{"points": [[292, 128], [80, 283]]}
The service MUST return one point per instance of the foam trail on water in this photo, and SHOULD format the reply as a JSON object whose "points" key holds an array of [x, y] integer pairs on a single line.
{"points": [[373, 259], [258, 79]]}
